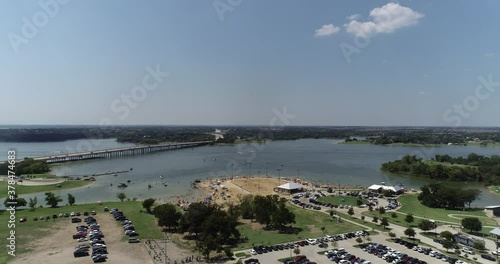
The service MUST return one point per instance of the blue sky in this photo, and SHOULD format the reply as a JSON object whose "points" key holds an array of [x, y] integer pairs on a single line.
{"points": [[235, 65]]}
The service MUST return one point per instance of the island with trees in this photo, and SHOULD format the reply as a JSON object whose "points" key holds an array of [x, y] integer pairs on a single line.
{"points": [[473, 168]]}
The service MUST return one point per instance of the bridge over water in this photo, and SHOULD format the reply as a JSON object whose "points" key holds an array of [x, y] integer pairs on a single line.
{"points": [[119, 152]]}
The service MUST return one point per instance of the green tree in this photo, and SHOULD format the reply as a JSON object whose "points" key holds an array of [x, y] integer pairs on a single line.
{"points": [[381, 210], [146, 204], [71, 199], [281, 215], [323, 229], [426, 225], [384, 222], [193, 219], [394, 215], [167, 215], [359, 202], [296, 251], [32, 203], [447, 244], [370, 208], [228, 252], [409, 218], [472, 224], [52, 200], [122, 196], [410, 232], [392, 234], [350, 212], [359, 240], [446, 235], [18, 201], [246, 207], [479, 245]]}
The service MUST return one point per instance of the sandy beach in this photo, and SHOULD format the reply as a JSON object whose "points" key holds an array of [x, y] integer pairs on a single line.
{"points": [[34, 182]]}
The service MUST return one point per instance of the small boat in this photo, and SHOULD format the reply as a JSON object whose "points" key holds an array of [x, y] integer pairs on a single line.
{"points": [[131, 168], [149, 186], [115, 174], [197, 181], [161, 176], [122, 185], [128, 181], [165, 184]]}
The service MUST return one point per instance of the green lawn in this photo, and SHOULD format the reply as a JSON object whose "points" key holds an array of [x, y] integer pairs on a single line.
{"points": [[310, 222], [495, 189], [338, 200], [21, 189], [145, 224], [410, 204]]}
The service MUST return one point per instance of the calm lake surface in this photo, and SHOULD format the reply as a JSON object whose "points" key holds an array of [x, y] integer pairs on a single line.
{"points": [[321, 160]]}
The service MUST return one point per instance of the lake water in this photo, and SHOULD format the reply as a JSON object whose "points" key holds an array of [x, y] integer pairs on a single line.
{"points": [[322, 160]]}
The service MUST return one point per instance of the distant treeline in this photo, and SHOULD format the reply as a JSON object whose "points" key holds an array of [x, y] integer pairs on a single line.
{"points": [[157, 134], [472, 168]]}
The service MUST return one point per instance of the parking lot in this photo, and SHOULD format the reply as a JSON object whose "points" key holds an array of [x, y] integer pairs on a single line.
{"points": [[59, 247], [311, 252]]}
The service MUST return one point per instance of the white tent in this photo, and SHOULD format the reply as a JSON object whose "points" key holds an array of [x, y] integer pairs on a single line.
{"points": [[290, 186], [495, 231], [385, 187]]}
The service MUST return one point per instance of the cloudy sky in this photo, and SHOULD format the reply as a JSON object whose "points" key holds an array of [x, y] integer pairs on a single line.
{"points": [[243, 62]]}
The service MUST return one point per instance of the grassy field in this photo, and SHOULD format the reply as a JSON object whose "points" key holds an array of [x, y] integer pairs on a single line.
{"points": [[310, 222], [145, 224], [347, 200], [410, 204], [21, 189]]}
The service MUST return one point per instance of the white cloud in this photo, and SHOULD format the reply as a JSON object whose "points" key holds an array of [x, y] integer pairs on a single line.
{"points": [[385, 19], [353, 17], [326, 30], [489, 55]]}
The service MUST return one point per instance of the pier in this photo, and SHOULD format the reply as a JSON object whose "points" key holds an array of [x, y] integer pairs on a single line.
{"points": [[119, 152]]}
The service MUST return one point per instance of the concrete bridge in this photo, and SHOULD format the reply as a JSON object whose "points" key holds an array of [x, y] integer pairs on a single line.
{"points": [[119, 152]]}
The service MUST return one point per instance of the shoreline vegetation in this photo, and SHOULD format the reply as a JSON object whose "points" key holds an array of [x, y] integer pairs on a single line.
{"points": [[473, 168]]}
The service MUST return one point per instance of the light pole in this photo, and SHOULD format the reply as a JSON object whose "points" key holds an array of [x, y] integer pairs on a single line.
{"points": [[165, 241], [259, 179], [266, 168], [279, 175], [298, 173], [232, 170]]}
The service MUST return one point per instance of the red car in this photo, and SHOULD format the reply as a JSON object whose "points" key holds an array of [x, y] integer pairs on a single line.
{"points": [[300, 258], [23, 219]]}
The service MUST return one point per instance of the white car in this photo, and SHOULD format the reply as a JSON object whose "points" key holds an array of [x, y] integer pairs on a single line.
{"points": [[461, 262], [311, 241], [253, 252], [496, 253], [467, 250]]}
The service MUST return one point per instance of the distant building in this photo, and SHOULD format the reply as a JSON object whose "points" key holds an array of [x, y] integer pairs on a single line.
{"points": [[466, 240]]}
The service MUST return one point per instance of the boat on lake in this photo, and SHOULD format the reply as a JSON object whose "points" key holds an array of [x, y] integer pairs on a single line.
{"points": [[122, 185]]}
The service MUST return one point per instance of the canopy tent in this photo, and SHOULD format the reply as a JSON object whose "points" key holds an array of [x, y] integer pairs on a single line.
{"points": [[495, 209], [495, 232], [289, 187], [376, 187]]}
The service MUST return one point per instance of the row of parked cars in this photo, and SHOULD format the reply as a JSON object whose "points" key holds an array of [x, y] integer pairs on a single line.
{"points": [[391, 255], [340, 255], [300, 259], [314, 200], [92, 233], [431, 253], [128, 227], [320, 241]]}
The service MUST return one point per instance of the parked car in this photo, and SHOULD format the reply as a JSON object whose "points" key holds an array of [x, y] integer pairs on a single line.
{"points": [[133, 240], [23, 219]]}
